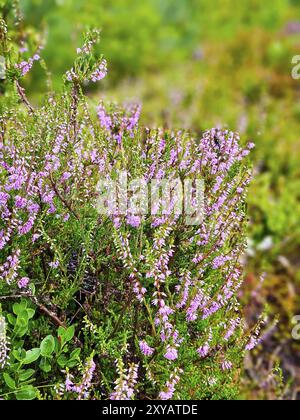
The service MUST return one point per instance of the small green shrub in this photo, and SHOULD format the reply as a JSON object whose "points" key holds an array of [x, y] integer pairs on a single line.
{"points": [[122, 305]]}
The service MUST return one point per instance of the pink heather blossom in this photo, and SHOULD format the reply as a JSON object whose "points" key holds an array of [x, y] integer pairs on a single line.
{"points": [[66, 217], [233, 326], [83, 388], [23, 283], [219, 262], [168, 392], [20, 202], [171, 353], [3, 198], [146, 349], [226, 365], [252, 343], [203, 351], [9, 270], [134, 221], [100, 73], [35, 237], [54, 264], [25, 66]]}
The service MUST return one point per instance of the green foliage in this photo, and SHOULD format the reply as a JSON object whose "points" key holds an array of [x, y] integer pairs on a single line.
{"points": [[27, 367], [112, 282]]}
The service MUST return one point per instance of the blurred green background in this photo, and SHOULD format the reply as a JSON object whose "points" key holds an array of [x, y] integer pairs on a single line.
{"points": [[197, 64]]}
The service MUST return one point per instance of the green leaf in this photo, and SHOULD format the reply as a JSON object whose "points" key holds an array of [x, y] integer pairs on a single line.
{"points": [[61, 331], [69, 333], [26, 374], [47, 346], [62, 361], [9, 381], [31, 356], [66, 334], [30, 313], [26, 393], [11, 319], [23, 315], [21, 325], [72, 363], [75, 354], [19, 354], [45, 366], [19, 307]]}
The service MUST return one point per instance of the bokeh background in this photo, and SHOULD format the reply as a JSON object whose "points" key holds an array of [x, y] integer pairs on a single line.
{"points": [[195, 64]]}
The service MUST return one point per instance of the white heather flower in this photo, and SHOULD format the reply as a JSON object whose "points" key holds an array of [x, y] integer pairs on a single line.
{"points": [[3, 343], [126, 381]]}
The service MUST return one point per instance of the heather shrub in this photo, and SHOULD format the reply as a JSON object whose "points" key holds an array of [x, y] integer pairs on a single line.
{"points": [[120, 305]]}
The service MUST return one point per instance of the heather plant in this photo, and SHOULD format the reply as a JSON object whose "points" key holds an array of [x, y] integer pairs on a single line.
{"points": [[122, 305]]}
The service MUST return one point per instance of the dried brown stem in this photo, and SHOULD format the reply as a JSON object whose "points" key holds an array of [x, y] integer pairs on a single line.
{"points": [[24, 99], [63, 200]]}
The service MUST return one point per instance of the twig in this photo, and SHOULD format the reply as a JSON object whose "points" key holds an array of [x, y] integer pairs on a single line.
{"points": [[21, 92], [51, 315], [15, 296], [55, 320], [63, 200], [42, 308]]}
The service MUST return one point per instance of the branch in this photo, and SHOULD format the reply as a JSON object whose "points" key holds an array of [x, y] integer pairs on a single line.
{"points": [[62, 199], [42, 308], [21, 92], [21, 295], [55, 320]]}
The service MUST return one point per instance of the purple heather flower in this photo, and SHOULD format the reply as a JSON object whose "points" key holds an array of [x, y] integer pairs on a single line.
{"points": [[234, 323], [66, 217], [3, 198], [25, 66], [23, 283], [20, 202], [23, 230], [226, 365], [219, 262], [9, 270], [54, 264], [69, 385], [203, 351], [83, 388], [169, 390], [171, 353], [100, 73], [145, 349], [35, 237], [252, 344], [134, 221]]}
